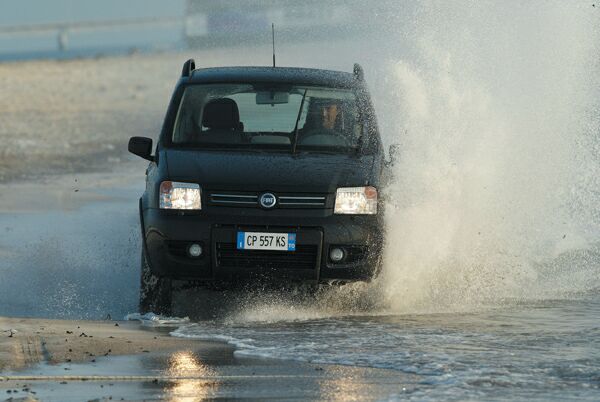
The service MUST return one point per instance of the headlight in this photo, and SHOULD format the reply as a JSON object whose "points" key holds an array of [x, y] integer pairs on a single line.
{"points": [[175, 195], [356, 201]]}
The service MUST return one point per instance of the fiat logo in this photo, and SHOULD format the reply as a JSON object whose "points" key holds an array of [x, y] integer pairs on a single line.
{"points": [[267, 200]]}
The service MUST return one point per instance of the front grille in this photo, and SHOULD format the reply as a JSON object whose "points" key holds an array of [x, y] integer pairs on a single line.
{"points": [[305, 257], [301, 201], [234, 199], [250, 199]]}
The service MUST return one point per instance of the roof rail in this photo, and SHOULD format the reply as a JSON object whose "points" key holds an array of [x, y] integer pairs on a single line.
{"points": [[359, 73], [188, 68]]}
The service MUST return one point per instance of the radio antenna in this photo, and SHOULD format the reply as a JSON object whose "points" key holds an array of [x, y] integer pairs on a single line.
{"points": [[273, 35]]}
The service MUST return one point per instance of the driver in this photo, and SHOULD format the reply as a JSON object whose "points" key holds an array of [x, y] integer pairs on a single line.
{"points": [[322, 115], [330, 114], [323, 123]]}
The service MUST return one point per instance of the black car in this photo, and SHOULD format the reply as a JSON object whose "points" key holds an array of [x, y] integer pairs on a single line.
{"points": [[261, 173]]}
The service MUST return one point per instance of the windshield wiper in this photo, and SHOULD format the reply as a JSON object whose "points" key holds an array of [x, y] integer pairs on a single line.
{"points": [[297, 122]]}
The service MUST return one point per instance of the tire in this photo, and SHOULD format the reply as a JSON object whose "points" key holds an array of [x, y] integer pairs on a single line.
{"points": [[155, 291]]}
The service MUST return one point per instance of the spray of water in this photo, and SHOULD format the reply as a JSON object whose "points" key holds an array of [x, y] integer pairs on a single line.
{"points": [[495, 106], [497, 119]]}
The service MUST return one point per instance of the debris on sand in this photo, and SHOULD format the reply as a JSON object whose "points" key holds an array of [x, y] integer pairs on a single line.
{"points": [[11, 332]]}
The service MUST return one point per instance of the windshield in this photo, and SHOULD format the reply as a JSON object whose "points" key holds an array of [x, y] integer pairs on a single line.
{"points": [[288, 117]]}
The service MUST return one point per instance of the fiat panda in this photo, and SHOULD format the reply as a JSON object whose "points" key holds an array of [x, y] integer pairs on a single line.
{"points": [[261, 174]]}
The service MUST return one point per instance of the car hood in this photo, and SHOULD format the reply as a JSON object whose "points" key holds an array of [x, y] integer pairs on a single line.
{"points": [[255, 171]]}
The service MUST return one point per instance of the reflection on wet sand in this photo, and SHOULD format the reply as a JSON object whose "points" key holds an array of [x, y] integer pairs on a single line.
{"points": [[187, 364], [343, 389]]}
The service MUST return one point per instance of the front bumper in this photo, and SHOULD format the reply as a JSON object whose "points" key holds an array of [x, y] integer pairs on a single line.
{"points": [[167, 234]]}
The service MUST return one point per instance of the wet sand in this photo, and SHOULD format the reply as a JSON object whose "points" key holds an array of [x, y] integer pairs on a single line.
{"points": [[75, 360], [63, 341]]}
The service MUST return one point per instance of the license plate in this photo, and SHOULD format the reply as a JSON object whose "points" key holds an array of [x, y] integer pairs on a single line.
{"points": [[266, 241]]}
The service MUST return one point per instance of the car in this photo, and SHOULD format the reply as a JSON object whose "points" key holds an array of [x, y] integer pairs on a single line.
{"points": [[261, 174]]}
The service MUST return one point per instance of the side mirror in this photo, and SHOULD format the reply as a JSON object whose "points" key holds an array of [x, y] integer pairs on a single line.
{"points": [[393, 154], [141, 146]]}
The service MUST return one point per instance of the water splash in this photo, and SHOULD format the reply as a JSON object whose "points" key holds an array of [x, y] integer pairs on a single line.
{"points": [[496, 110], [497, 123], [155, 320]]}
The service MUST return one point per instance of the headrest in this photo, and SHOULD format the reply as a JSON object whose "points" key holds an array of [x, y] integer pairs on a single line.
{"points": [[221, 114]]}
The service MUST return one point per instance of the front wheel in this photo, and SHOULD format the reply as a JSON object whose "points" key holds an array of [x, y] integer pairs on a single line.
{"points": [[155, 292]]}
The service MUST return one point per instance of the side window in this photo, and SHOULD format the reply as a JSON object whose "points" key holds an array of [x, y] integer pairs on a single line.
{"points": [[182, 121]]}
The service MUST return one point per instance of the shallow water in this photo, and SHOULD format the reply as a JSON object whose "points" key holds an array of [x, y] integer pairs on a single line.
{"points": [[536, 350]]}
